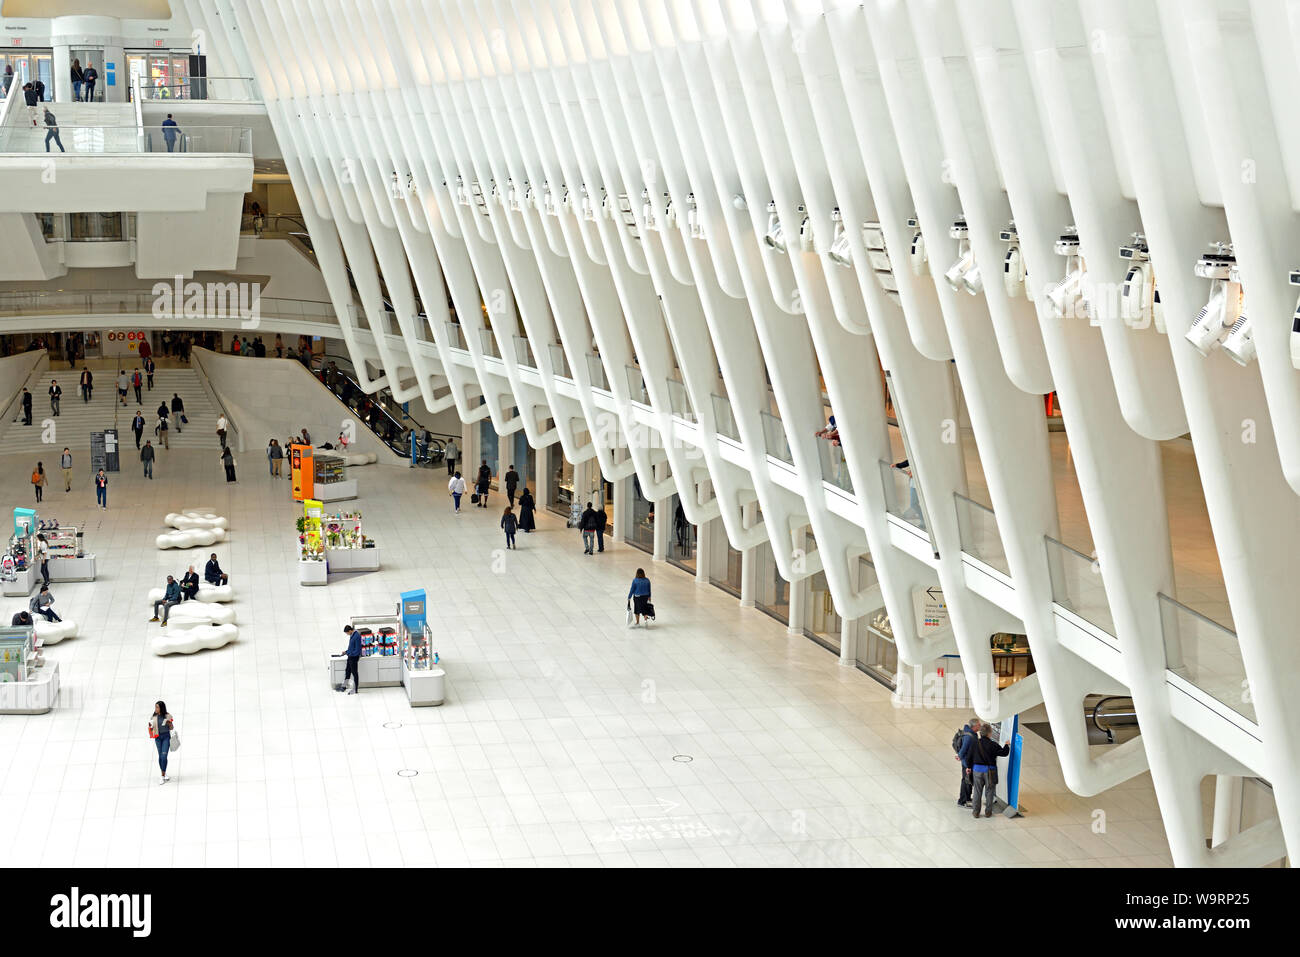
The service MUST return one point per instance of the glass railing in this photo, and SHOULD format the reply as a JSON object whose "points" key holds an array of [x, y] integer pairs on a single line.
{"points": [[1077, 585], [834, 470], [775, 439], [488, 343], [636, 389], [559, 361], [524, 353], [596, 370], [455, 336], [116, 140], [237, 89], [980, 538], [1206, 654], [679, 400], [902, 496], [146, 302], [724, 420]]}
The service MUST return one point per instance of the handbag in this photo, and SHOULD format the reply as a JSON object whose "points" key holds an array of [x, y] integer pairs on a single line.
{"points": [[629, 614], [184, 420], [649, 610], [175, 744]]}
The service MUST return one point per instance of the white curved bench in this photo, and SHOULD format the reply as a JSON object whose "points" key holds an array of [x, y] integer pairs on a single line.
{"points": [[190, 538], [191, 614], [189, 641], [53, 632], [184, 521], [356, 458], [207, 593]]}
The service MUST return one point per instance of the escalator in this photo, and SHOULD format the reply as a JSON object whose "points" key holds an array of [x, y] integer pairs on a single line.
{"points": [[1110, 719]]}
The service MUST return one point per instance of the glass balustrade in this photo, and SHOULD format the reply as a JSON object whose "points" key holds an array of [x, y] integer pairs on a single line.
{"points": [[680, 400], [775, 438], [1206, 654], [230, 89], [559, 362], [980, 537], [118, 140], [146, 302], [636, 389], [524, 353], [724, 420], [596, 370], [455, 336], [488, 343], [834, 470], [903, 496], [1077, 585]]}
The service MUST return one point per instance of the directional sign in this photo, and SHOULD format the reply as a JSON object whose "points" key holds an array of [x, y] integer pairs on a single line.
{"points": [[931, 611]]}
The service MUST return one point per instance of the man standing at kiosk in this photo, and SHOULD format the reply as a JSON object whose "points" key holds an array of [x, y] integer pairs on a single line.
{"points": [[354, 656]]}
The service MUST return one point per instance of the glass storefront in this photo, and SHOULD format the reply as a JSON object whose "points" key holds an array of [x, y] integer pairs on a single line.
{"points": [[30, 65], [877, 655], [641, 519], [166, 71], [822, 622], [772, 592], [724, 561], [559, 491], [681, 546], [489, 448]]}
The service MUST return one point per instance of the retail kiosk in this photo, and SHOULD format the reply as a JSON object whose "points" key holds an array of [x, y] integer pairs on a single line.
{"points": [[397, 650], [68, 559], [28, 685], [19, 565], [318, 476], [331, 543]]}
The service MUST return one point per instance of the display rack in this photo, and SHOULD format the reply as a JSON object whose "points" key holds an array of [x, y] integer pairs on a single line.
{"points": [[27, 684], [68, 559], [330, 484]]}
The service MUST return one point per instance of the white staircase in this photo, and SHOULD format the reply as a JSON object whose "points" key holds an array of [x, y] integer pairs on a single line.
{"points": [[78, 419]]}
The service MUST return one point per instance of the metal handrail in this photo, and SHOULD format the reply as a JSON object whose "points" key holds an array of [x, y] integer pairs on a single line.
{"points": [[127, 140]]}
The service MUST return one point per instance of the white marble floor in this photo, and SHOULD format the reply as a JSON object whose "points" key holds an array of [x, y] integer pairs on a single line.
{"points": [[556, 746]]}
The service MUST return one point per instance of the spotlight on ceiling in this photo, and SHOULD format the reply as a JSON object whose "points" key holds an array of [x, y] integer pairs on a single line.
{"points": [[1013, 263], [840, 252], [963, 274], [1223, 306], [775, 235], [1295, 323], [1137, 294], [694, 226], [873, 237], [917, 255], [805, 231], [1066, 296], [647, 209]]}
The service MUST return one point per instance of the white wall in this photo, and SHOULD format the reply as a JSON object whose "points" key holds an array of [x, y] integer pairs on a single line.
{"points": [[271, 398], [14, 373]]}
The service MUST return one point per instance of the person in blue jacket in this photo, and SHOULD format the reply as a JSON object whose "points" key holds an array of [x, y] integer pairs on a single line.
{"points": [[169, 130], [354, 656], [639, 596], [966, 755]]}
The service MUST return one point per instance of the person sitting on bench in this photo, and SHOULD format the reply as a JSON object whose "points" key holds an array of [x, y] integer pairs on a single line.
{"points": [[170, 599], [212, 573], [190, 585]]}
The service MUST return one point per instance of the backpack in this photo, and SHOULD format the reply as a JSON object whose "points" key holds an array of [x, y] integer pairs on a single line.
{"points": [[956, 739], [36, 478]]}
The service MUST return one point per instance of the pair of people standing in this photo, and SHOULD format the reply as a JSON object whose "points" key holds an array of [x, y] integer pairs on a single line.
{"points": [[592, 523], [83, 81]]}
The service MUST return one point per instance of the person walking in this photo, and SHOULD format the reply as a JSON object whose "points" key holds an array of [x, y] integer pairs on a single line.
{"points": [[483, 484], [510, 524], [65, 463], [147, 457], [274, 456], [43, 556], [212, 573], [169, 130], [149, 368], [78, 78], [87, 384], [89, 75], [161, 725], [638, 597], [38, 480], [189, 585], [602, 522], [969, 737], [137, 426], [228, 460], [52, 131], [222, 424], [526, 505], [146, 353], [456, 488], [587, 523], [56, 394], [9, 77], [137, 382], [170, 599], [123, 383], [682, 525], [31, 99], [512, 483], [452, 454], [353, 654], [101, 489], [162, 429], [178, 412], [43, 603], [985, 767], [27, 407]]}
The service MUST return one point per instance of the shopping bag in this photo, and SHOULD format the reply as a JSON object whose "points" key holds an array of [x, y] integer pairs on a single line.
{"points": [[184, 419], [629, 614], [175, 744]]}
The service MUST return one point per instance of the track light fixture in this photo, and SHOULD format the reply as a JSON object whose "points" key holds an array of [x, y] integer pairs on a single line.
{"points": [[647, 209], [1013, 262], [917, 255], [806, 242], [1137, 294], [775, 235], [964, 273], [840, 252], [670, 212], [1224, 306], [1295, 323], [693, 224], [1067, 297]]}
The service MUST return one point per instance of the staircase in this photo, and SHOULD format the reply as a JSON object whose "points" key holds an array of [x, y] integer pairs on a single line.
{"points": [[78, 419]]}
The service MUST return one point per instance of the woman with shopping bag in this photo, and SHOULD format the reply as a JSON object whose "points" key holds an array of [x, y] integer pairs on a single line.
{"points": [[162, 728], [638, 597]]}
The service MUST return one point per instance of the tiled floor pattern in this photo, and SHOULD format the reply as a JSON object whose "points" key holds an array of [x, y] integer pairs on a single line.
{"points": [[557, 743]]}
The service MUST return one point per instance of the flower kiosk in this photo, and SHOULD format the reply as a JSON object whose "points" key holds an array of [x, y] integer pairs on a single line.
{"points": [[332, 543]]}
